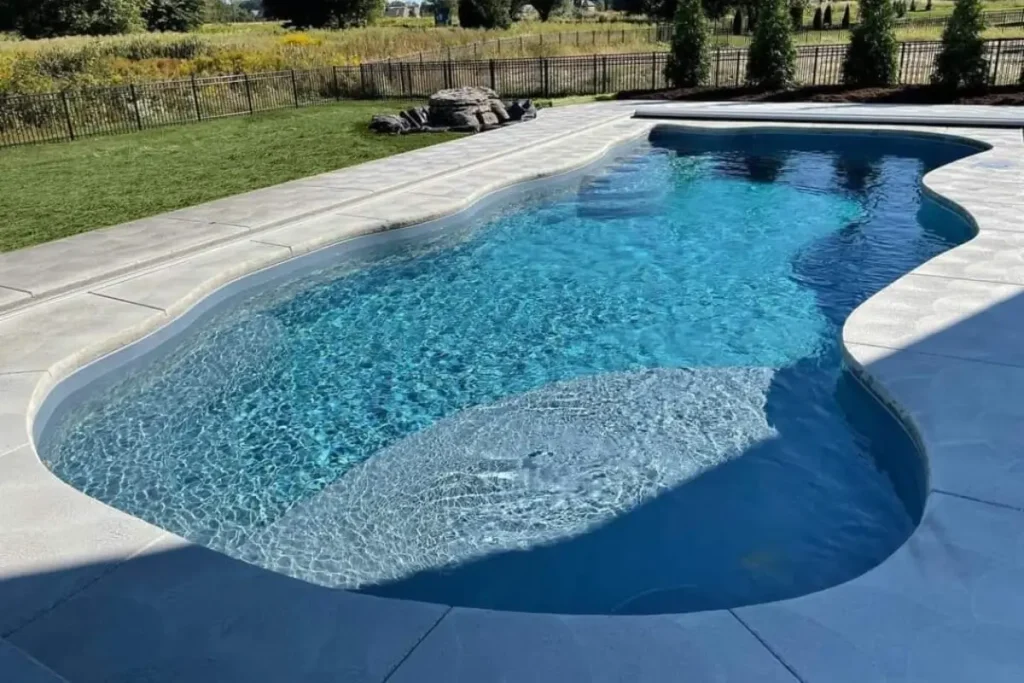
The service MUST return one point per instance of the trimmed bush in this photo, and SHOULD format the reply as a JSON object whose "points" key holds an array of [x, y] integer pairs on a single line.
{"points": [[962, 59], [174, 15], [688, 61], [796, 15], [771, 60], [817, 24], [544, 7], [928, 6], [846, 18], [737, 23], [827, 20], [484, 14], [871, 56], [324, 13]]}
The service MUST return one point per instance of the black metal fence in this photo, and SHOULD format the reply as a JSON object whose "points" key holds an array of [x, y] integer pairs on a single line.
{"points": [[70, 115], [721, 28]]}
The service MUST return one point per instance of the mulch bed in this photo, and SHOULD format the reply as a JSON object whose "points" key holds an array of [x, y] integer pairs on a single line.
{"points": [[909, 94]]}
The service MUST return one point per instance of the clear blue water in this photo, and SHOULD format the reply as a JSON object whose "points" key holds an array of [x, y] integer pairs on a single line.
{"points": [[622, 393]]}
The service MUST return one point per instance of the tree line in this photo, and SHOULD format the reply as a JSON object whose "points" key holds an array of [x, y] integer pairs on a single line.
{"points": [[871, 58], [50, 18]]}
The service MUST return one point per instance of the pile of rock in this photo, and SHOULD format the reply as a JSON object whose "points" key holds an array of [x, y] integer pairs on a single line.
{"points": [[457, 109]]}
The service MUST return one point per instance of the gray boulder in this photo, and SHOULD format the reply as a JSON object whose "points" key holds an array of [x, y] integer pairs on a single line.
{"points": [[522, 110], [451, 107], [389, 123], [498, 109]]}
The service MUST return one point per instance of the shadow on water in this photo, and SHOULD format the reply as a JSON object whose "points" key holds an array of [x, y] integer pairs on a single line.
{"points": [[192, 614], [739, 533]]}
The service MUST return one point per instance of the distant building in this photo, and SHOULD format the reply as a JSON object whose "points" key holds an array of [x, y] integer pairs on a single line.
{"points": [[527, 12], [396, 8]]}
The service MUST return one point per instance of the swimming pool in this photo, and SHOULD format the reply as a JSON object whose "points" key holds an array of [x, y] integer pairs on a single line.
{"points": [[621, 393]]}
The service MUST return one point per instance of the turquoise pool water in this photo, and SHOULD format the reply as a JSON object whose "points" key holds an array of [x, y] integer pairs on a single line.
{"points": [[618, 393]]}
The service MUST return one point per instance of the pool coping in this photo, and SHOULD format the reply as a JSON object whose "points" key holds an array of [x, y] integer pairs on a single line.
{"points": [[916, 340]]}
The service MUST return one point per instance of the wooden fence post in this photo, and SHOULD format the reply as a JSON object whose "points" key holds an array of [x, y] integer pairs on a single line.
{"points": [[295, 89], [195, 98], [718, 62], [597, 88], [544, 76], [135, 104], [67, 114], [604, 73], [337, 85], [248, 94], [654, 71], [814, 74], [899, 73], [491, 69]]}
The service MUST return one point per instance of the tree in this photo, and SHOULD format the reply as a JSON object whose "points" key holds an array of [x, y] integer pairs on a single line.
{"points": [[913, 5], [48, 18], [173, 15], [771, 60], [484, 14], [688, 61], [544, 7], [846, 18], [871, 56], [826, 21], [324, 13], [796, 15], [816, 23], [962, 59], [737, 23]]}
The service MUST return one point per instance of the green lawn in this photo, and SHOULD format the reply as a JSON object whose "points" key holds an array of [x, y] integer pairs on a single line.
{"points": [[52, 191]]}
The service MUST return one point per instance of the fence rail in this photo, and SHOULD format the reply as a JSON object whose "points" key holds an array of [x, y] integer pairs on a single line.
{"points": [[70, 115], [660, 33]]}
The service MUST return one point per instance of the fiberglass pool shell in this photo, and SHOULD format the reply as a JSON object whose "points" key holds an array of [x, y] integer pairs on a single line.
{"points": [[794, 478]]}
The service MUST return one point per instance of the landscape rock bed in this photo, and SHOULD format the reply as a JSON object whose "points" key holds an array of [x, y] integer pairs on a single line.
{"points": [[462, 110]]}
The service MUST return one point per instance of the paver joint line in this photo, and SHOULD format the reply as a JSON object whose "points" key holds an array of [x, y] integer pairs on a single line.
{"points": [[786, 665]]}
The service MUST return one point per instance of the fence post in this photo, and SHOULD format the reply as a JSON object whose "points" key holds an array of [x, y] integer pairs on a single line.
{"points": [[337, 85], [995, 63], [362, 81], [195, 98], [248, 94], [718, 62], [597, 89], [544, 76], [491, 69], [295, 89], [899, 73], [135, 103], [67, 114], [604, 73], [654, 71], [814, 74]]}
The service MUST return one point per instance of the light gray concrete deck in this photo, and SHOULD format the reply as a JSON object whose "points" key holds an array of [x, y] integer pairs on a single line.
{"points": [[95, 594]]}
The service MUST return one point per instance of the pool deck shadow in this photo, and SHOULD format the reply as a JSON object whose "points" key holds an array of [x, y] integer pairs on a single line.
{"points": [[946, 606], [942, 346]]}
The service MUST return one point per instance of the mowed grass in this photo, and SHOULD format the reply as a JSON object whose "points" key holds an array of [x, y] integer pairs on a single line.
{"points": [[53, 191]]}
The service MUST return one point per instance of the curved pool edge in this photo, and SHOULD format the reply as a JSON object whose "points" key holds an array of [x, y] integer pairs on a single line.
{"points": [[763, 642]]}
